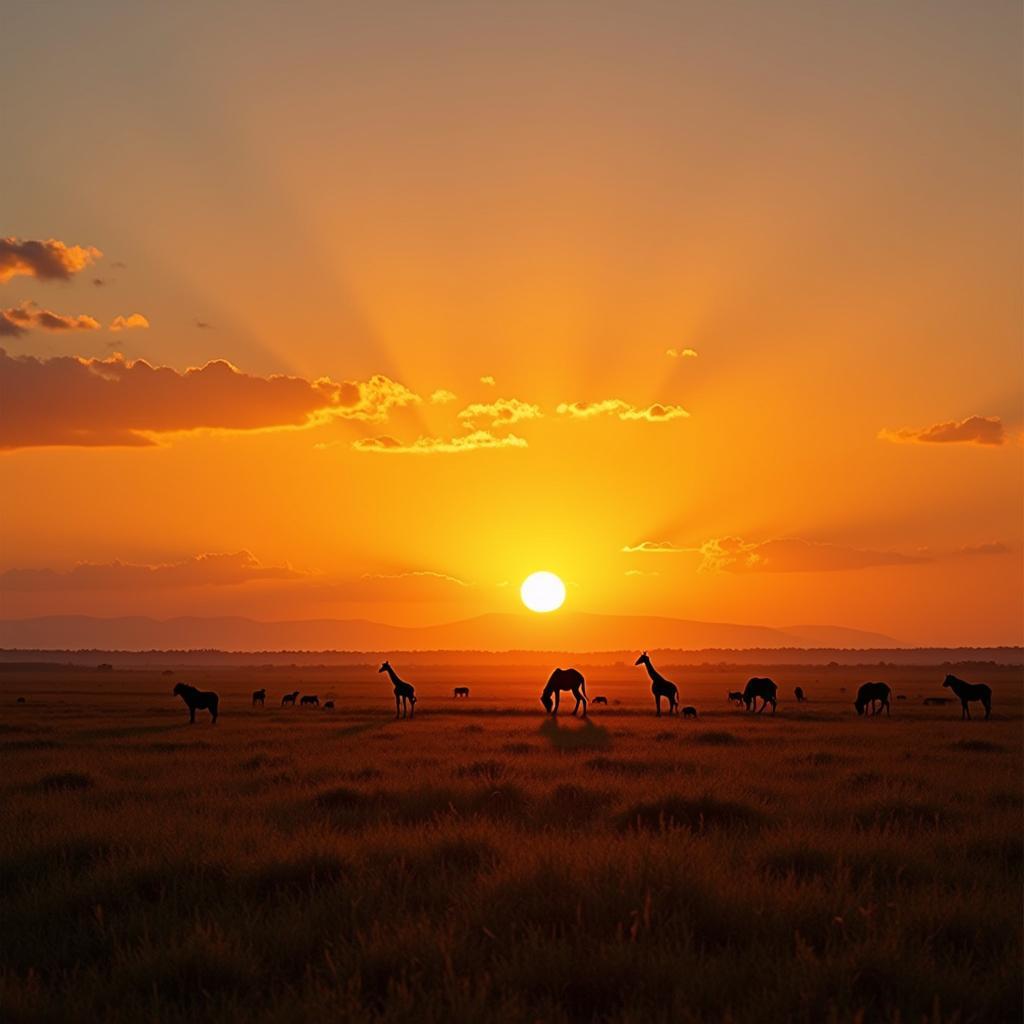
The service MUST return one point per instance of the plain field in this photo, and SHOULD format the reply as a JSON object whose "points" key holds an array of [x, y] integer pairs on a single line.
{"points": [[482, 862]]}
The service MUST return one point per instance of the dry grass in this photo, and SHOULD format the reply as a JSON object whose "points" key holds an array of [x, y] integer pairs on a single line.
{"points": [[482, 863]]}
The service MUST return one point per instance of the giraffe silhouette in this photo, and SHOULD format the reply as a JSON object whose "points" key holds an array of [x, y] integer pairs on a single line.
{"points": [[405, 694], [660, 686]]}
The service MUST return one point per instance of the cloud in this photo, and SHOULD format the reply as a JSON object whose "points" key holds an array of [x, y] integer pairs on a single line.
{"points": [[652, 546], [501, 412], [199, 571], [442, 397], [656, 413], [992, 548], [48, 260], [27, 316], [681, 353], [128, 323], [488, 380], [75, 401], [985, 430], [792, 554], [425, 574], [479, 439], [640, 572]]}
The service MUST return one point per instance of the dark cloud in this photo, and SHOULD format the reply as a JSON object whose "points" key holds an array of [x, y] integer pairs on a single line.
{"points": [[985, 430], [27, 316], [69, 400], [48, 260]]}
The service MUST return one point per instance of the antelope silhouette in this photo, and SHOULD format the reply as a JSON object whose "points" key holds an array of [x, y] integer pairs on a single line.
{"points": [[405, 693], [564, 679], [289, 698], [259, 697], [968, 692], [660, 686], [872, 697]]}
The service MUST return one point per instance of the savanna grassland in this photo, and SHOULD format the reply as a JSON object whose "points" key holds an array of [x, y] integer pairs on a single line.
{"points": [[483, 863]]}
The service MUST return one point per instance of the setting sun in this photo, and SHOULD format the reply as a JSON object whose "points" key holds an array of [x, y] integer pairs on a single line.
{"points": [[542, 592]]}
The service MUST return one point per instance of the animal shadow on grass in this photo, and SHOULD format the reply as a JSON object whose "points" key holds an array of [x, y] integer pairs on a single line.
{"points": [[716, 738], [66, 782], [585, 736], [696, 814]]}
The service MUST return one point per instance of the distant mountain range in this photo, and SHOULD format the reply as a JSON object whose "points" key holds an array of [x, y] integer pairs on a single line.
{"points": [[564, 631]]}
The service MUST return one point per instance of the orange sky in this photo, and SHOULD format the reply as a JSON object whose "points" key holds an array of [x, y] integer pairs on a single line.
{"points": [[412, 277]]}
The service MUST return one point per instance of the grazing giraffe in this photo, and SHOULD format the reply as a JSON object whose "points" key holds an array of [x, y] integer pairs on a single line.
{"points": [[405, 694], [660, 686]]}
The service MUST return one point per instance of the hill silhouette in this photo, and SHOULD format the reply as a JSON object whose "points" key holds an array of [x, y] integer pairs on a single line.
{"points": [[563, 631]]}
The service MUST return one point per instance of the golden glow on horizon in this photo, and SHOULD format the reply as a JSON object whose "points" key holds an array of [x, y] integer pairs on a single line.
{"points": [[542, 592]]}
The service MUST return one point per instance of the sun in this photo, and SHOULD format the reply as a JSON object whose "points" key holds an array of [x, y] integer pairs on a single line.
{"points": [[542, 592]]}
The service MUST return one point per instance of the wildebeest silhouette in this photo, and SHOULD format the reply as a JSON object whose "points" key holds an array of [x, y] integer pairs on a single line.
{"points": [[598, 700], [311, 700], [736, 697], [660, 686], [328, 705], [564, 679], [874, 696], [202, 700], [20, 700], [937, 701], [259, 697], [460, 691], [689, 712], [405, 693], [289, 698], [799, 694], [763, 688], [968, 692]]}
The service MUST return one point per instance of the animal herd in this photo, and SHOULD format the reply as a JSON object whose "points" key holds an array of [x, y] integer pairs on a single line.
{"points": [[872, 698]]}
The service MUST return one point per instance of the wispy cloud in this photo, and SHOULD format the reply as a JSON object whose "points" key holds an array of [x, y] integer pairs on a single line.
{"points": [[427, 574], [49, 260], [792, 554], [501, 412], [656, 413], [27, 316], [981, 430], [476, 441], [220, 569], [653, 546], [132, 322], [488, 380], [442, 396], [681, 353]]}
